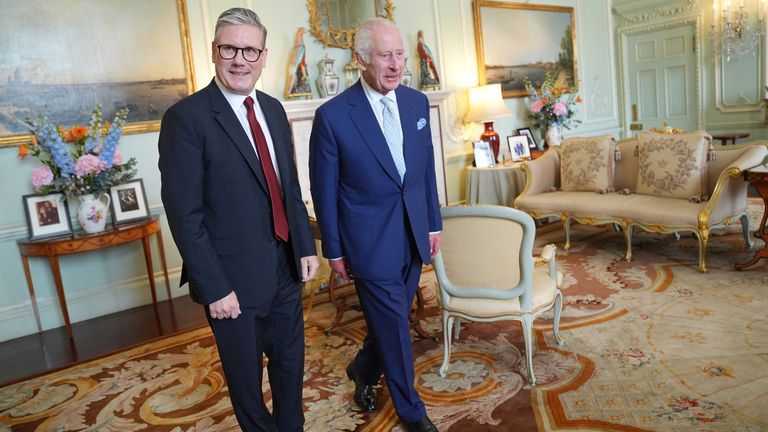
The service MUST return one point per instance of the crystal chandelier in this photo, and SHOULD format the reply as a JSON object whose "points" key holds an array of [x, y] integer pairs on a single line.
{"points": [[733, 33]]}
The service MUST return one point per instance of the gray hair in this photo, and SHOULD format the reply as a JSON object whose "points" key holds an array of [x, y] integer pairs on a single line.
{"points": [[364, 35], [236, 16]]}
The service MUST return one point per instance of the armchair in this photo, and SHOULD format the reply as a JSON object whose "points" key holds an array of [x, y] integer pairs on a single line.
{"points": [[486, 272]]}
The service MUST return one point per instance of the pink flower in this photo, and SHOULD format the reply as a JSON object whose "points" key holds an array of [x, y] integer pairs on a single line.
{"points": [[88, 164], [537, 105], [41, 176], [559, 109], [117, 158]]}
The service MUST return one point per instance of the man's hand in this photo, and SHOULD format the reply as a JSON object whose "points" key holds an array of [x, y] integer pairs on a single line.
{"points": [[341, 267], [434, 245], [309, 266], [227, 307]]}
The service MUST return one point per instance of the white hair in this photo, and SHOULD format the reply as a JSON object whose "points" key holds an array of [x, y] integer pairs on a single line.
{"points": [[364, 35]]}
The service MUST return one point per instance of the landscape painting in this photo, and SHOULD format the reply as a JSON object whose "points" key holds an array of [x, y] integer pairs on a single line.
{"points": [[516, 40], [61, 58]]}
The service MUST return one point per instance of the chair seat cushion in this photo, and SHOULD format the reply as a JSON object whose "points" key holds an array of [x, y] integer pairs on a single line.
{"points": [[544, 291]]}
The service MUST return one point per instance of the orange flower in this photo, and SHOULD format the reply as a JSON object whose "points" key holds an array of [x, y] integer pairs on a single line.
{"points": [[23, 151], [545, 101], [578, 99], [75, 134]]}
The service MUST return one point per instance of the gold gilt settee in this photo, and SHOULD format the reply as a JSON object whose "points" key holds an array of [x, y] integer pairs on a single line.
{"points": [[726, 187]]}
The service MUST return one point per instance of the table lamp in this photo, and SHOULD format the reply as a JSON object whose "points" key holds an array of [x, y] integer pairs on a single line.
{"points": [[486, 105]]}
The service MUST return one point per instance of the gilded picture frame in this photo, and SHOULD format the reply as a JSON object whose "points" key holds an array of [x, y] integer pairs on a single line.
{"points": [[518, 40], [65, 57], [323, 24]]}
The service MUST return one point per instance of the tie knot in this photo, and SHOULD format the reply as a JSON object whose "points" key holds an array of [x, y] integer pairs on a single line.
{"points": [[249, 103], [388, 103]]}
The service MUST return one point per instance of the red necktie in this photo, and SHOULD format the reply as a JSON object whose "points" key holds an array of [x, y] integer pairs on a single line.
{"points": [[275, 196]]}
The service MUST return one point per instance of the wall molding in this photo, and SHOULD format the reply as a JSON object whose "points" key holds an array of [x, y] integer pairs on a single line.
{"points": [[625, 12], [19, 319], [596, 85], [720, 71]]}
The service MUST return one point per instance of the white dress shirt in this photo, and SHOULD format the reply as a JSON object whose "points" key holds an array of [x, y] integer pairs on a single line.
{"points": [[238, 106]]}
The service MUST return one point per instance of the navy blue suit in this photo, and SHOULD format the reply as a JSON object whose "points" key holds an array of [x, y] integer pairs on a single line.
{"points": [[378, 222], [216, 199]]}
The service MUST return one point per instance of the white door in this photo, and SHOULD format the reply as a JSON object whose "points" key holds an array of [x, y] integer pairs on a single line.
{"points": [[662, 78]]}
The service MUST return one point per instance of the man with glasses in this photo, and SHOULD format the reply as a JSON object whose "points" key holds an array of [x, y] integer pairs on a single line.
{"points": [[372, 171], [234, 208]]}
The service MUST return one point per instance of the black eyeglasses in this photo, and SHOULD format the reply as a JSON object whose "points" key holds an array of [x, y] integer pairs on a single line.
{"points": [[250, 54]]}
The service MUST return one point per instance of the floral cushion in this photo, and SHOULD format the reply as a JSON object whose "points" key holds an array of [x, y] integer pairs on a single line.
{"points": [[673, 165], [586, 164]]}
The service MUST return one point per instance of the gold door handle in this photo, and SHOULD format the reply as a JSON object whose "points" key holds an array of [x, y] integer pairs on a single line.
{"points": [[636, 126], [634, 112]]}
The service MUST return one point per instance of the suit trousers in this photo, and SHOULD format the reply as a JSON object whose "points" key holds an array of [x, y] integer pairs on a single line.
{"points": [[243, 341], [387, 346]]}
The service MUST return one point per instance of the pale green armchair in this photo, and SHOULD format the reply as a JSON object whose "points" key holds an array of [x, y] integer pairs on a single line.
{"points": [[487, 272]]}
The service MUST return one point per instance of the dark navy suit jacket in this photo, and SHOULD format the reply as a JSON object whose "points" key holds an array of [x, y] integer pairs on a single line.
{"points": [[216, 199], [365, 212]]}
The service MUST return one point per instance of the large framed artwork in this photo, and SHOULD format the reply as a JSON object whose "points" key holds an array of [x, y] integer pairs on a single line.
{"points": [[60, 58], [516, 40]]}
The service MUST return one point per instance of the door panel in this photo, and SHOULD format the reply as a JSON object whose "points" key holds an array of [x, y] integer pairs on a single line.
{"points": [[662, 77]]}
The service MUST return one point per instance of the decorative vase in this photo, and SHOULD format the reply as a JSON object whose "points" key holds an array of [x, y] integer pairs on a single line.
{"points": [[92, 212], [328, 81], [553, 136]]}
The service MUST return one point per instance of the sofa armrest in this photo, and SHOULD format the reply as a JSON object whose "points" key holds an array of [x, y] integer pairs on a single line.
{"points": [[730, 190], [541, 174]]}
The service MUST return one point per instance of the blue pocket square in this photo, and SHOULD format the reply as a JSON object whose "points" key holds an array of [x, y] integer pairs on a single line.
{"points": [[421, 123]]}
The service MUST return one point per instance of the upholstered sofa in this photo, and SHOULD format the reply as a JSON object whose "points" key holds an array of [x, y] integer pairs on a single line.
{"points": [[723, 199]]}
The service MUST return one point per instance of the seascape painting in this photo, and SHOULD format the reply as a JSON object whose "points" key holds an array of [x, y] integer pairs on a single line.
{"points": [[515, 41], [59, 59]]}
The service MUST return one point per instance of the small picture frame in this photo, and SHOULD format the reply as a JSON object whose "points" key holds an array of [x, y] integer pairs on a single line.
{"points": [[531, 140], [47, 215], [518, 147], [483, 154], [129, 202]]}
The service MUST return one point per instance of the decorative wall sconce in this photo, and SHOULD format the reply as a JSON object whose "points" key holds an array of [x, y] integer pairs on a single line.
{"points": [[734, 32]]}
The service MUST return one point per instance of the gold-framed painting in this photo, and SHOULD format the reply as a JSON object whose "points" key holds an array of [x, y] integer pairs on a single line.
{"points": [[519, 40], [59, 59]]}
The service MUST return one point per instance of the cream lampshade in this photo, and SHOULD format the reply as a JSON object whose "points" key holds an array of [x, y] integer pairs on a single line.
{"points": [[486, 105]]}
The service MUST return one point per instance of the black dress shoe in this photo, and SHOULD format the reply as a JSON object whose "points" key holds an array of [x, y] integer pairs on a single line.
{"points": [[423, 424], [365, 397]]}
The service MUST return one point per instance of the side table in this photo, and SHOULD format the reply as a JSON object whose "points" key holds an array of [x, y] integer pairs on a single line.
{"points": [[55, 247], [758, 177], [724, 138], [499, 185]]}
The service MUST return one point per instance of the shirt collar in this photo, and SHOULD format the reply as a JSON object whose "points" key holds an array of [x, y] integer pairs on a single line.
{"points": [[235, 100], [373, 96]]}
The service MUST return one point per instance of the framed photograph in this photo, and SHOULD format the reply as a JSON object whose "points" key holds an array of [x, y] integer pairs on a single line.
{"points": [[518, 147], [47, 215], [129, 202], [483, 154], [544, 41], [135, 55], [531, 140]]}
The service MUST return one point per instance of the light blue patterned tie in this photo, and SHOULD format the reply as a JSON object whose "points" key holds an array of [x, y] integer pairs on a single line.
{"points": [[393, 134]]}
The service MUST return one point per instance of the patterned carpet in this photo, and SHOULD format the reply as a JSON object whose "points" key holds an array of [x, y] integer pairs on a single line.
{"points": [[650, 345]]}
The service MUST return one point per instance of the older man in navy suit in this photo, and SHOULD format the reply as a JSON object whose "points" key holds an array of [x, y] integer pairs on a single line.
{"points": [[373, 186], [234, 207]]}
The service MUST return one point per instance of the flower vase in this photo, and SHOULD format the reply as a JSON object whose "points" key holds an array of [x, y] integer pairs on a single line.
{"points": [[92, 212], [553, 136]]}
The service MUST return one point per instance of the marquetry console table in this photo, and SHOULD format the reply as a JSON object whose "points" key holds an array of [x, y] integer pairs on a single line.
{"points": [[758, 177], [121, 234]]}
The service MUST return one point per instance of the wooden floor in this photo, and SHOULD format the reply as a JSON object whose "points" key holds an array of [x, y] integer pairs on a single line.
{"points": [[39, 353]]}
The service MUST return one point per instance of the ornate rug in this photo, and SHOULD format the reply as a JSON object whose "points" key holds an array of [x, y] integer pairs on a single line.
{"points": [[650, 345]]}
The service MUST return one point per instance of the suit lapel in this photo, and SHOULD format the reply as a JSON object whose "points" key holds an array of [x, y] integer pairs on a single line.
{"points": [[231, 125], [365, 120], [282, 154]]}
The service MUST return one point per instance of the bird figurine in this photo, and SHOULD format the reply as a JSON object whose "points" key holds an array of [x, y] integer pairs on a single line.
{"points": [[297, 81], [430, 80]]}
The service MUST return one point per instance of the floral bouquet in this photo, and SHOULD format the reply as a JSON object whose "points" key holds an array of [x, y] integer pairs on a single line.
{"points": [[80, 160], [550, 105]]}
